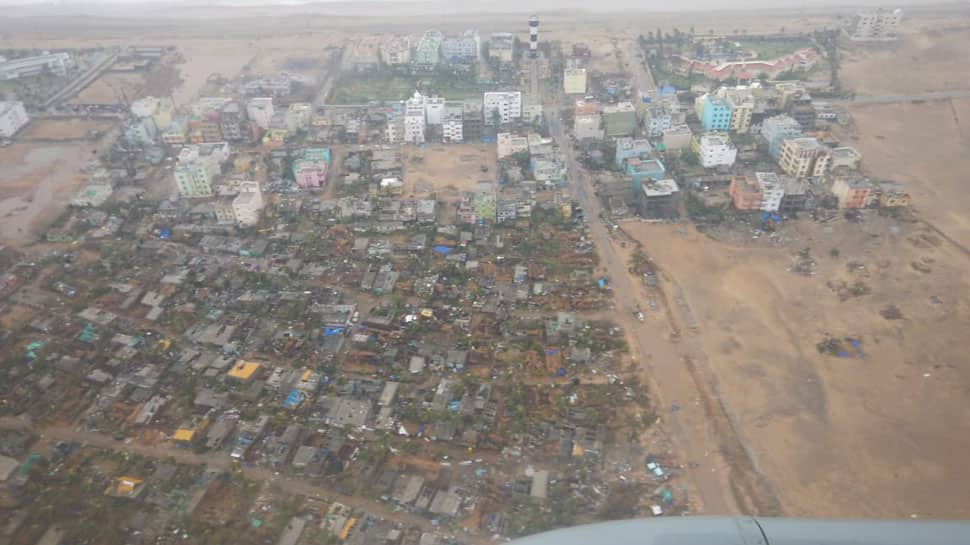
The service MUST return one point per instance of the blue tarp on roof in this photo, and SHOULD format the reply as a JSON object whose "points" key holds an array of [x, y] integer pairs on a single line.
{"points": [[330, 331], [442, 250], [166, 232], [293, 400], [552, 352]]}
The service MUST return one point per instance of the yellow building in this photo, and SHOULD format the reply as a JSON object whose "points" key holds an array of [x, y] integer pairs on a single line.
{"points": [[243, 370], [183, 435], [125, 487], [574, 81]]}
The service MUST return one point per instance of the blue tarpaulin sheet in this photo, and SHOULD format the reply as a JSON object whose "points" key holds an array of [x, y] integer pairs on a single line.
{"points": [[552, 352], [165, 234], [442, 250], [454, 406], [601, 282], [294, 399], [330, 331]]}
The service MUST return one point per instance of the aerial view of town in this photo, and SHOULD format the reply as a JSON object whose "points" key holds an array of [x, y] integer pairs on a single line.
{"points": [[367, 274]]}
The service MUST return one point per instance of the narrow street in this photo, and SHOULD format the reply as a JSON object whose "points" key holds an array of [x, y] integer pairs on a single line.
{"points": [[659, 359]]}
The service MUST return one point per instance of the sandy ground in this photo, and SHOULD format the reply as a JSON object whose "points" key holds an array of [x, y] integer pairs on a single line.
{"points": [[112, 89], [36, 183], [447, 170], [896, 144], [67, 129], [924, 59], [883, 436]]}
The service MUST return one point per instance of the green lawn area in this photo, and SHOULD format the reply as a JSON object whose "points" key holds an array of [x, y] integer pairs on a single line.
{"points": [[768, 49], [353, 88]]}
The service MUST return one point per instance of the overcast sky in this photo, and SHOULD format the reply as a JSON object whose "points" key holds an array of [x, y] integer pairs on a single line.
{"points": [[522, 5]]}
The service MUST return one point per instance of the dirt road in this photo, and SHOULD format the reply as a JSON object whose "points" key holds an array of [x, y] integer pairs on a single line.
{"points": [[700, 435]]}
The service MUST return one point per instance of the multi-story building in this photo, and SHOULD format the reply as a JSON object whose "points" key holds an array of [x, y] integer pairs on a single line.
{"points": [[546, 170], [876, 25], [159, 109], [510, 144], [484, 202], [772, 191], [139, 132], [677, 137], [13, 117], [588, 127], [396, 51], [428, 52], [310, 168], [248, 204], [715, 150], [641, 170], [776, 130], [451, 126], [434, 110], [365, 54], [658, 199], [197, 167], [205, 128], [232, 123], [394, 129], [852, 192], [574, 81], [298, 116], [279, 85], [797, 196], [260, 111], [801, 109], [656, 119], [174, 135], [714, 113], [53, 63], [414, 120], [630, 148], [502, 107], [461, 49], [804, 157], [745, 193], [844, 157], [471, 120], [501, 47], [741, 102], [619, 119]]}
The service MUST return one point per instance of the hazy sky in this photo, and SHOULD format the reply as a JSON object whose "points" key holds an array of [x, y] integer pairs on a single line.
{"points": [[519, 5]]}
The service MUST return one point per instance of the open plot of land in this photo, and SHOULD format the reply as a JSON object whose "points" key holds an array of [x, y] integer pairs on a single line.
{"points": [[923, 60], [112, 89], [895, 145], [883, 435], [36, 183], [63, 129], [351, 88], [773, 48], [447, 170]]}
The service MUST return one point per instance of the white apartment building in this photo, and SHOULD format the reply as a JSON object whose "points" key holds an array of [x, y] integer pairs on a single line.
{"points": [[741, 101], [260, 111], [876, 25], [13, 117], [510, 144], [656, 119], [55, 63], [574, 81], [414, 124], [507, 104], [501, 47], [434, 110], [588, 126], [298, 116], [197, 167], [464, 48], [772, 191], [451, 127], [715, 150], [248, 204], [394, 130], [159, 109]]}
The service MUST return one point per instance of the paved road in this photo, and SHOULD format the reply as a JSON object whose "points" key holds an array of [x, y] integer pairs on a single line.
{"points": [[659, 359], [861, 100], [221, 461]]}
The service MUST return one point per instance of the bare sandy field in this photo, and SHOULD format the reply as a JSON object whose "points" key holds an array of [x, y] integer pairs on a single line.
{"points": [[447, 170], [112, 89], [927, 147], [881, 436], [36, 183], [925, 59], [63, 129]]}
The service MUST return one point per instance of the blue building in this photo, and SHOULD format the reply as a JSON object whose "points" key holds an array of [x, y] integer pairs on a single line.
{"points": [[630, 148], [646, 169], [716, 114]]}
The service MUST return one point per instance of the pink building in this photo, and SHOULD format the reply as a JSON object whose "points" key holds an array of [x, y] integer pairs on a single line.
{"points": [[310, 169]]}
